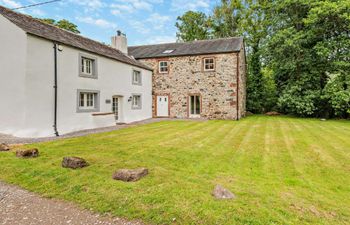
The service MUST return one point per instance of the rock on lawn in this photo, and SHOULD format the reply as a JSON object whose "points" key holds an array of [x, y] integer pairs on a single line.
{"points": [[130, 175], [74, 162]]}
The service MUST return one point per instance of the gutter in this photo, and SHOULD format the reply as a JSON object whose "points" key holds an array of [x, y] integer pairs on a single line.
{"points": [[55, 47]]}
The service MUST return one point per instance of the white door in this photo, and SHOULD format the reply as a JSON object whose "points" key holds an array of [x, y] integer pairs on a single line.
{"points": [[115, 108], [163, 106]]}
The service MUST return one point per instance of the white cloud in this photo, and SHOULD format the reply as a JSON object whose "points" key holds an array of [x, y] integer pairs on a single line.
{"points": [[185, 5], [97, 22], [89, 5], [158, 21], [139, 26], [37, 12], [158, 40], [10, 3], [121, 7]]}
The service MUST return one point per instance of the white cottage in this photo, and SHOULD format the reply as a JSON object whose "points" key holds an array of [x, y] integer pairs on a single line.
{"points": [[53, 81]]}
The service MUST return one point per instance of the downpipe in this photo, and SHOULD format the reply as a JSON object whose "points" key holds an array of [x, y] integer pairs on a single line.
{"points": [[56, 49]]}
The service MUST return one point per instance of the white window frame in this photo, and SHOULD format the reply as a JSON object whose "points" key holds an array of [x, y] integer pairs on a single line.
{"points": [[87, 66], [133, 101], [88, 101], [160, 66], [205, 63], [136, 73]]}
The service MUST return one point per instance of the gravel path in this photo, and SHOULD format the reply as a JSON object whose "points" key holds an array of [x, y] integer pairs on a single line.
{"points": [[20, 207], [9, 139]]}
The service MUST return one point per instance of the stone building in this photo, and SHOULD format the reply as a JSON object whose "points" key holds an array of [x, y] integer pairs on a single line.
{"points": [[200, 79]]}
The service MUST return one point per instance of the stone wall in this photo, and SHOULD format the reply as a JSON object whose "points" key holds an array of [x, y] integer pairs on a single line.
{"points": [[242, 83], [186, 77]]}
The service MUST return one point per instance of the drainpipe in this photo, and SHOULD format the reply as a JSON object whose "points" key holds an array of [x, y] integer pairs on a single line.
{"points": [[237, 93], [55, 47]]}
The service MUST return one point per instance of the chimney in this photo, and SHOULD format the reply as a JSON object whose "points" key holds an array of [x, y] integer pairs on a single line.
{"points": [[120, 42]]}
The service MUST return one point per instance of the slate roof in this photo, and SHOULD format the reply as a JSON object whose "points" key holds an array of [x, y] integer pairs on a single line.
{"points": [[223, 45], [40, 29]]}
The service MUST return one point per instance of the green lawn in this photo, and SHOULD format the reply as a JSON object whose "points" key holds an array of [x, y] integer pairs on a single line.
{"points": [[283, 171]]}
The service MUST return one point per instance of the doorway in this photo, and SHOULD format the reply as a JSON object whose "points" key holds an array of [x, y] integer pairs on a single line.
{"points": [[195, 106], [116, 108], [162, 106]]}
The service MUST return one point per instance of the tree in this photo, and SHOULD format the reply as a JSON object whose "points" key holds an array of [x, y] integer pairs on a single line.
{"points": [[226, 18], [64, 24], [246, 18], [192, 26], [253, 27], [337, 93], [309, 40]]}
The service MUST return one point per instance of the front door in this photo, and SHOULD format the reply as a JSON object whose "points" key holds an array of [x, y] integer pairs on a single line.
{"points": [[116, 108], [195, 106], [162, 106]]}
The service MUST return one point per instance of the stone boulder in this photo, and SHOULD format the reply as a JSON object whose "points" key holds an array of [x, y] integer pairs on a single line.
{"points": [[27, 153], [130, 175], [74, 162], [248, 113], [220, 192], [4, 147], [273, 113]]}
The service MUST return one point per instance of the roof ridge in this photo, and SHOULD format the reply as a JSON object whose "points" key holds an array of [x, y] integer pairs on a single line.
{"points": [[188, 42]]}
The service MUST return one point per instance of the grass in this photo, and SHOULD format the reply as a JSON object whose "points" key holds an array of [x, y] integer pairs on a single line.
{"points": [[283, 171]]}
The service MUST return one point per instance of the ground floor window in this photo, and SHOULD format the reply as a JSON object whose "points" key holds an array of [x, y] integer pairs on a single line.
{"points": [[136, 101], [195, 105], [88, 101]]}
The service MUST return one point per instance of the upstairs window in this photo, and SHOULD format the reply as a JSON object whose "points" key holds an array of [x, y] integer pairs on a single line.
{"points": [[87, 66], [209, 64], [136, 101], [163, 67], [136, 77]]}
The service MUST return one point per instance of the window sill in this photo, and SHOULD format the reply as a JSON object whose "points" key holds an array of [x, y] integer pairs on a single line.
{"points": [[102, 114], [87, 110], [88, 76]]}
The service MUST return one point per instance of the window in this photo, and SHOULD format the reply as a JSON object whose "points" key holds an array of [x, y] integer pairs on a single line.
{"points": [[195, 106], [87, 66], [209, 64], [136, 102], [136, 77], [88, 101], [168, 51], [163, 67]]}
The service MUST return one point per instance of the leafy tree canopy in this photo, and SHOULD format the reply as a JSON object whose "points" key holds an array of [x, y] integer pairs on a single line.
{"points": [[64, 24], [192, 26]]}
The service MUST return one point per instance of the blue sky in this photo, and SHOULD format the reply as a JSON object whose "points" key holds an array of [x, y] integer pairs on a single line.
{"points": [[144, 21]]}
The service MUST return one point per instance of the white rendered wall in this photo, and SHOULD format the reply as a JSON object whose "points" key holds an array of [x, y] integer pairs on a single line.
{"points": [[114, 78], [12, 74]]}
